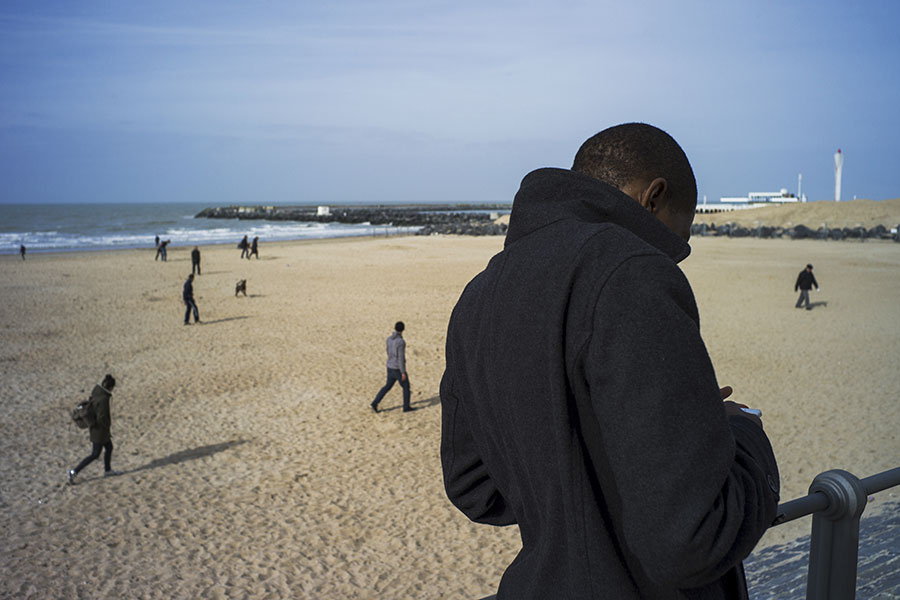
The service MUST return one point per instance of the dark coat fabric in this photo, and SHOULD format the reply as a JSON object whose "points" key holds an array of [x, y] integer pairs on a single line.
{"points": [[805, 281], [195, 256], [100, 430], [579, 402], [187, 294]]}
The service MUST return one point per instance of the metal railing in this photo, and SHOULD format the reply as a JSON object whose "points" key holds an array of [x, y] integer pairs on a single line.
{"points": [[836, 501]]}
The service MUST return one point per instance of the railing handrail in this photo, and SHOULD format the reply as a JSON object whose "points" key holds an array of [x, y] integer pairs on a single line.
{"points": [[836, 500], [800, 507], [818, 501], [882, 481]]}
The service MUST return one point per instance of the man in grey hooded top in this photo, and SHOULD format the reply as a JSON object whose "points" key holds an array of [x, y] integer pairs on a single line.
{"points": [[396, 368]]}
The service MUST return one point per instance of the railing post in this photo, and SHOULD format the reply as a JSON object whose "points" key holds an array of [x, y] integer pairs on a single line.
{"points": [[834, 542]]}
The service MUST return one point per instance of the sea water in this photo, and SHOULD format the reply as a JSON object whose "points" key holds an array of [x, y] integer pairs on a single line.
{"points": [[77, 227]]}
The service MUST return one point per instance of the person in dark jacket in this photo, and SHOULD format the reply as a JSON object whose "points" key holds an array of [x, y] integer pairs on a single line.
{"points": [[578, 399], [396, 368], [22, 250], [195, 260], [190, 304], [244, 245], [254, 248], [100, 430], [161, 250], [805, 281]]}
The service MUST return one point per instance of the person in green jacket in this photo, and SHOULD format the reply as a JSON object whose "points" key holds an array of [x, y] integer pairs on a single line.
{"points": [[100, 436]]}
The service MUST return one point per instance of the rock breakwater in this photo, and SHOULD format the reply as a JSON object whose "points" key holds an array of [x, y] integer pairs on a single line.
{"points": [[797, 232], [460, 219], [482, 219]]}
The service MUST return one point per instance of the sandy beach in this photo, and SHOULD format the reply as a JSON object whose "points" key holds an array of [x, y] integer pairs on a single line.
{"points": [[253, 465]]}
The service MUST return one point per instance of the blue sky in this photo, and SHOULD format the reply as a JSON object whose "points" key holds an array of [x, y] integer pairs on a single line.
{"points": [[395, 101]]}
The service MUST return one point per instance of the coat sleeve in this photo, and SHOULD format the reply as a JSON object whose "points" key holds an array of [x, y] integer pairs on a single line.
{"points": [[466, 479], [690, 494], [101, 409], [401, 355]]}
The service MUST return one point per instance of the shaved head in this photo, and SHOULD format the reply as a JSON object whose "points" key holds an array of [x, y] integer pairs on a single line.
{"points": [[634, 154]]}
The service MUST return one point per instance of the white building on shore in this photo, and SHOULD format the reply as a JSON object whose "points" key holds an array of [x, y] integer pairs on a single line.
{"points": [[752, 200]]}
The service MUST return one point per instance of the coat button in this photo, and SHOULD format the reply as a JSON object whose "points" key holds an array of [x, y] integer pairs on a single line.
{"points": [[773, 482]]}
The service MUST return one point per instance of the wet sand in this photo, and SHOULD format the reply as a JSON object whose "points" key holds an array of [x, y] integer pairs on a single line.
{"points": [[253, 466]]}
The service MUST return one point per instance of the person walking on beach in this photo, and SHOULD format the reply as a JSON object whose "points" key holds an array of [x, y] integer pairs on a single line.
{"points": [[396, 368], [161, 250], [805, 281], [254, 248], [100, 430], [244, 245], [190, 305], [195, 260], [157, 241], [579, 401], [22, 250]]}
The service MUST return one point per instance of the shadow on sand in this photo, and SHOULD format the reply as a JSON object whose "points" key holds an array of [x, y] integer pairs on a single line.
{"points": [[186, 455], [427, 403], [223, 320], [812, 305]]}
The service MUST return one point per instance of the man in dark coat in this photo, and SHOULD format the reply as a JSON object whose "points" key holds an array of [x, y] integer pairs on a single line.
{"points": [[195, 260], [579, 401], [187, 295], [244, 245], [254, 248], [100, 430], [805, 281]]}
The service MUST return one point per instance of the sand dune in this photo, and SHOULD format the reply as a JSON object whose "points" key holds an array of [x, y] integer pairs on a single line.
{"points": [[852, 213], [254, 467]]}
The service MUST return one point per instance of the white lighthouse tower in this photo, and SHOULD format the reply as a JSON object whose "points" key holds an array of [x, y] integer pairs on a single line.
{"points": [[838, 166]]}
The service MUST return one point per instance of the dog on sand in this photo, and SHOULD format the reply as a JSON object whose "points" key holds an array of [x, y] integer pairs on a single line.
{"points": [[240, 287]]}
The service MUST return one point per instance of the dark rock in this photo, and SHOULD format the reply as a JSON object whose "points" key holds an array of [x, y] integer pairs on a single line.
{"points": [[800, 232], [489, 228], [856, 233], [879, 232]]}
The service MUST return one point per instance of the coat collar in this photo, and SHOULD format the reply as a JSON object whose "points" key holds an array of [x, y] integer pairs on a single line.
{"points": [[550, 195]]}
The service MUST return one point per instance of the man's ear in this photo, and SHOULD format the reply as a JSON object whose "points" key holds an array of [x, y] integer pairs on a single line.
{"points": [[654, 197]]}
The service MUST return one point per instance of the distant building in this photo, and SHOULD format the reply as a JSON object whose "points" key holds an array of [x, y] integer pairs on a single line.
{"points": [[752, 200], [323, 211]]}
